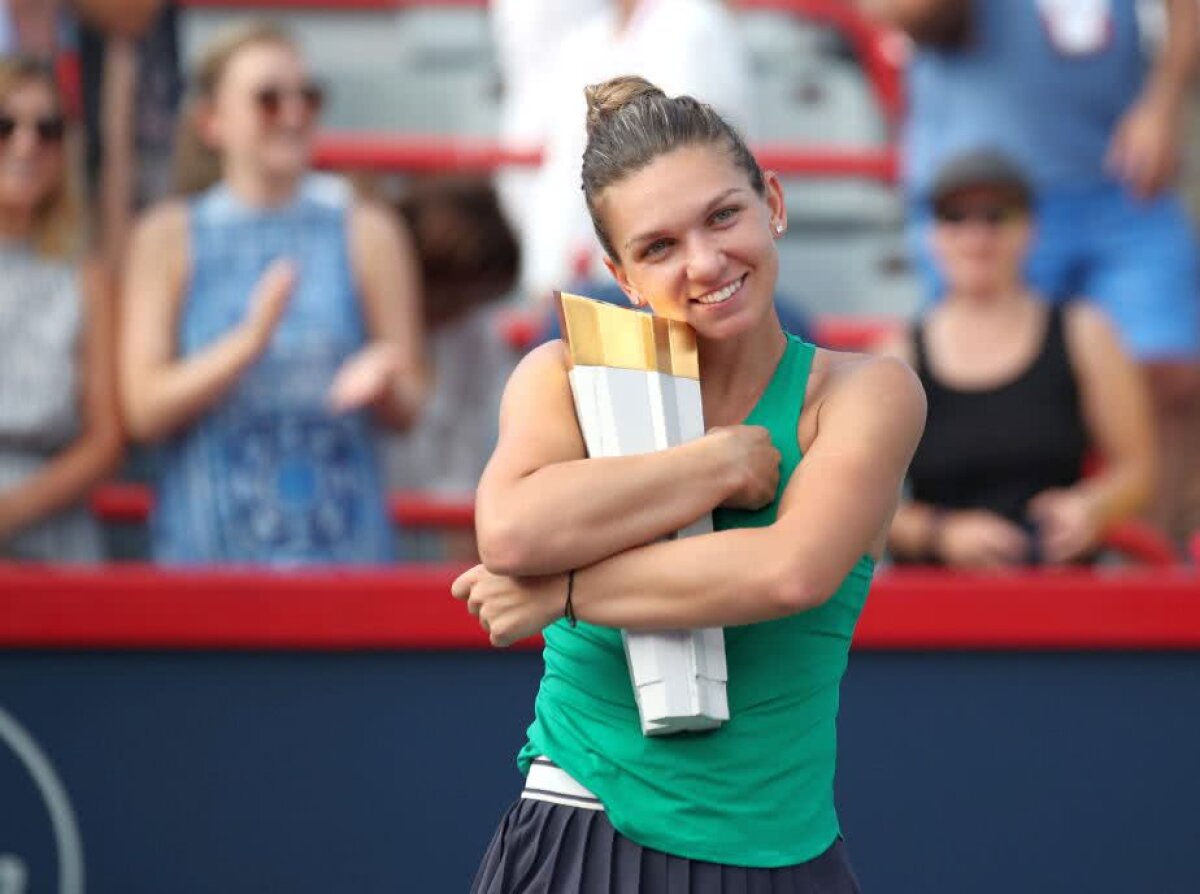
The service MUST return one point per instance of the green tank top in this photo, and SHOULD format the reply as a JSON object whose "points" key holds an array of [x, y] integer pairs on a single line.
{"points": [[758, 791]]}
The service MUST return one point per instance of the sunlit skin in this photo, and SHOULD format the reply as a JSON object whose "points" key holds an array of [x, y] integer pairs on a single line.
{"points": [[30, 168], [981, 259], [263, 155]]}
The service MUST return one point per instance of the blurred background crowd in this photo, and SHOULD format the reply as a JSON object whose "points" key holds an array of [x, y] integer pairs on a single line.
{"points": [[262, 279]]}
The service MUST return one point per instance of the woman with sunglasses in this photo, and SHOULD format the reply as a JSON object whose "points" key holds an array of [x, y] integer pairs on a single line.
{"points": [[261, 319], [801, 472], [1020, 393], [59, 423]]}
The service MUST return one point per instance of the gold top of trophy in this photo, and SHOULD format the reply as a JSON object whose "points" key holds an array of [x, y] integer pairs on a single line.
{"points": [[600, 334]]}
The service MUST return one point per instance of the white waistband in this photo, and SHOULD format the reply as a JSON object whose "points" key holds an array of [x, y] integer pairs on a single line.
{"points": [[549, 782]]}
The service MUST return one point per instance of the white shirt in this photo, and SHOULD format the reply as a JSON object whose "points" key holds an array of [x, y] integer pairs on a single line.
{"points": [[527, 35], [683, 46]]}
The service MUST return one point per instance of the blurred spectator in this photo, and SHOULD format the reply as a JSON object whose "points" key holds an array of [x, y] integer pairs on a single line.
{"points": [[526, 33], [1065, 89], [1019, 392], [259, 320], [685, 46], [59, 428], [132, 87], [468, 258]]}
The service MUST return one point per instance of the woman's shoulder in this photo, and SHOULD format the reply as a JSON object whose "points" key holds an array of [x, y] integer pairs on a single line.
{"points": [[870, 383]]}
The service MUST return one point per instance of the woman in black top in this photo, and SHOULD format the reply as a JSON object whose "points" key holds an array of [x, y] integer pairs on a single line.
{"points": [[1020, 392]]}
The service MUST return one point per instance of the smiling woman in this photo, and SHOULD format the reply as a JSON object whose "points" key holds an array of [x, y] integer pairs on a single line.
{"points": [[801, 510], [261, 321]]}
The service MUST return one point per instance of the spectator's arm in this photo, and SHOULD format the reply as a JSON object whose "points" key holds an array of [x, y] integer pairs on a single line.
{"points": [[160, 393], [1175, 67], [1116, 410], [119, 151], [1146, 144], [914, 527], [119, 18], [390, 372], [96, 452]]}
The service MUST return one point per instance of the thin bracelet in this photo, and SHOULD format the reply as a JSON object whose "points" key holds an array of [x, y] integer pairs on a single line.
{"points": [[569, 609]]}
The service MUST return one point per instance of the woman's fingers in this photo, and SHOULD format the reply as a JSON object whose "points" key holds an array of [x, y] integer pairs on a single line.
{"points": [[461, 588]]}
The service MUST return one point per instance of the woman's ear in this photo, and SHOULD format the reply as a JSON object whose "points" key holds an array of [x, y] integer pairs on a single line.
{"points": [[618, 273], [775, 203]]}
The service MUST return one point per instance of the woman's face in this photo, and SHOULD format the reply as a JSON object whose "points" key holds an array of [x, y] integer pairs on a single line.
{"points": [[981, 236], [31, 152], [264, 112], [695, 241]]}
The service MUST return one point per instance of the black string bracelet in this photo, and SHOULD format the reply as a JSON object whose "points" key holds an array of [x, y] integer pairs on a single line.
{"points": [[569, 610]]}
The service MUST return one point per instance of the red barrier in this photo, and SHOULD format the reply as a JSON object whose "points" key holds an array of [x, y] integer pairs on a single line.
{"points": [[363, 151], [123, 607], [132, 503]]}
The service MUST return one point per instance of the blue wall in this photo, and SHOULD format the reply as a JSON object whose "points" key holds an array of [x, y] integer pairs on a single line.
{"points": [[386, 772]]}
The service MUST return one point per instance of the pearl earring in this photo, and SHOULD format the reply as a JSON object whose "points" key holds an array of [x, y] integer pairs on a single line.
{"points": [[779, 229]]}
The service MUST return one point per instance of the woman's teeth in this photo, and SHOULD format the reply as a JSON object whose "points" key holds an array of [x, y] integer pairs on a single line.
{"points": [[721, 295]]}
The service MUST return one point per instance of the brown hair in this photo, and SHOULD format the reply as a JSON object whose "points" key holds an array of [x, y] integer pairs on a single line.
{"points": [[630, 122], [465, 247], [58, 226], [197, 166]]}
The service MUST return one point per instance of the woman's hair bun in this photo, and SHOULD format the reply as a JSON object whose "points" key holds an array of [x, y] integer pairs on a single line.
{"points": [[608, 97]]}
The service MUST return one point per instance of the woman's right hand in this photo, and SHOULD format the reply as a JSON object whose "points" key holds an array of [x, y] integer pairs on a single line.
{"points": [[269, 302], [753, 464], [976, 538]]}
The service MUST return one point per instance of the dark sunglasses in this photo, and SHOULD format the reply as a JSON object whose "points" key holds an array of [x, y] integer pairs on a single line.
{"points": [[49, 129], [270, 99], [992, 215]]}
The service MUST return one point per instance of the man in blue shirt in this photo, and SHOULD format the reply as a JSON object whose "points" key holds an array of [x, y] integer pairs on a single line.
{"points": [[1068, 90]]}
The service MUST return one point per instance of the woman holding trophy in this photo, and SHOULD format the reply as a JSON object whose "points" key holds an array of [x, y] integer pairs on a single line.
{"points": [[801, 470]]}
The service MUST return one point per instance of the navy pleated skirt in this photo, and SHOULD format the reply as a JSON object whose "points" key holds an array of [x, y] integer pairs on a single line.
{"points": [[545, 848]]}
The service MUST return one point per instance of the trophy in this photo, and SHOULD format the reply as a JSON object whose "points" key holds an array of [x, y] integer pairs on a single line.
{"points": [[635, 379]]}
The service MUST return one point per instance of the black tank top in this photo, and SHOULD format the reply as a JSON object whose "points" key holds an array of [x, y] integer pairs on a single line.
{"points": [[996, 448]]}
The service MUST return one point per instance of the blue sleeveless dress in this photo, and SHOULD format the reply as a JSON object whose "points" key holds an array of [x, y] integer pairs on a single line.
{"points": [[269, 475]]}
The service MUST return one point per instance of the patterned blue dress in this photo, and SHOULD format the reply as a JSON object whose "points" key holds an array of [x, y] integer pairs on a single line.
{"points": [[270, 475]]}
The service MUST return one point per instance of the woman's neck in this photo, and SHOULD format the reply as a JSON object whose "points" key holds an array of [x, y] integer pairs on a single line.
{"points": [[253, 189], [735, 372]]}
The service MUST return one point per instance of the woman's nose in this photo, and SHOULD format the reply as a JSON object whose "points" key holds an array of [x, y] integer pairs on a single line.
{"points": [[705, 259]]}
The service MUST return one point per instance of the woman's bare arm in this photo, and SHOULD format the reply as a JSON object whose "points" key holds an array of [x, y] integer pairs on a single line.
{"points": [[161, 393], [543, 507], [836, 509], [96, 452], [386, 270], [1116, 410]]}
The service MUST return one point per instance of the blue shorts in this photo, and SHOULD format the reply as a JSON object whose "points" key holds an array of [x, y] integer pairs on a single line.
{"points": [[1137, 260]]}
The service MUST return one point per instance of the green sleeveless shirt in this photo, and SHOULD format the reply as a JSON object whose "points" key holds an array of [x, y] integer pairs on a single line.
{"points": [[758, 791]]}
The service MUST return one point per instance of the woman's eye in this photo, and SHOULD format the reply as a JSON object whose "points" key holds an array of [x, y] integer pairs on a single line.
{"points": [[724, 215], [657, 247]]}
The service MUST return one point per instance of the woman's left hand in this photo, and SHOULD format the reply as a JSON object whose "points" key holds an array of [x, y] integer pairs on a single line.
{"points": [[1068, 523], [509, 608]]}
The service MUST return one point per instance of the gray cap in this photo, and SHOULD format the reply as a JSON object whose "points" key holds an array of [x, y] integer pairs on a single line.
{"points": [[980, 168]]}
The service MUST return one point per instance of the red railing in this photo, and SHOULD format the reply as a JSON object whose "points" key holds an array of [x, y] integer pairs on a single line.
{"points": [[400, 152], [122, 607], [132, 504]]}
